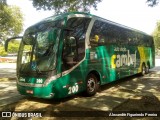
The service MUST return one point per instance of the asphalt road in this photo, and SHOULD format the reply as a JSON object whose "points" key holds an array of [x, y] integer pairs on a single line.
{"points": [[8, 90], [7, 70]]}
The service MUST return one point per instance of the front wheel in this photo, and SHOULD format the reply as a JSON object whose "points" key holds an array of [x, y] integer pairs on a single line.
{"points": [[91, 84]]}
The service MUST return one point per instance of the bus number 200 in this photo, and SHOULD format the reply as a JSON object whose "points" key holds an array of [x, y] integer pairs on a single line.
{"points": [[73, 89]]}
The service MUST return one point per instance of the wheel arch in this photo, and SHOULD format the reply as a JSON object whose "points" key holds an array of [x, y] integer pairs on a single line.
{"points": [[148, 64], [97, 74], [143, 63]]}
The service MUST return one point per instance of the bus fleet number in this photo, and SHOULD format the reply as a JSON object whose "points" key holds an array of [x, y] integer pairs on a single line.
{"points": [[73, 89]]}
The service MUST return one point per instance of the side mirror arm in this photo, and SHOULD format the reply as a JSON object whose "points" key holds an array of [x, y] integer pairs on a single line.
{"points": [[9, 39]]}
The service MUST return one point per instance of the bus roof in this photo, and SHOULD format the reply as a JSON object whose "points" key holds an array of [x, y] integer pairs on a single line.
{"points": [[62, 15], [120, 25]]}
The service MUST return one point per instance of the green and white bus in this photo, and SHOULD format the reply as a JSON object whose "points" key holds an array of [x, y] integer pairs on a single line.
{"points": [[77, 52]]}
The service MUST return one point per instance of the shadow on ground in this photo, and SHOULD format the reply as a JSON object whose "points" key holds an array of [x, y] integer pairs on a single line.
{"points": [[133, 93]]}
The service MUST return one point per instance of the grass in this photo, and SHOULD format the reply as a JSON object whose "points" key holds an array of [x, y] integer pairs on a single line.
{"points": [[7, 79]]}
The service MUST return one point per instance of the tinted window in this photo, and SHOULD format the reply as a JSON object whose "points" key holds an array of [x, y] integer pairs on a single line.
{"points": [[104, 33]]}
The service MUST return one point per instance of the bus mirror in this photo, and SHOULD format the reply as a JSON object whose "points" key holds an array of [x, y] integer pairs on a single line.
{"points": [[8, 40], [29, 39]]}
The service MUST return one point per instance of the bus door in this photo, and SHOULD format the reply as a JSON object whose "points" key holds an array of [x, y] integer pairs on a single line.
{"points": [[74, 42], [73, 52]]}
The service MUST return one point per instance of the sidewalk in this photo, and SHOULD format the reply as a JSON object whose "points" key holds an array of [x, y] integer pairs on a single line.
{"points": [[8, 65]]}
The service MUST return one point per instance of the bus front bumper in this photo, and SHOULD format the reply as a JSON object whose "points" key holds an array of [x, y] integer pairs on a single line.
{"points": [[40, 92]]}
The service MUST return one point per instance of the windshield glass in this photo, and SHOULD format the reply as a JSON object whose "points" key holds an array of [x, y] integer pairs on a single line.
{"points": [[38, 49]]}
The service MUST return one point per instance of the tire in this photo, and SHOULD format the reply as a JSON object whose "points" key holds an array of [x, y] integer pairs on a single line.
{"points": [[147, 70], [143, 71], [91, 85]]}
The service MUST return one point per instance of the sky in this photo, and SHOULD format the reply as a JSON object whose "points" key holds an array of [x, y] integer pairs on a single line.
{"points": [[132, 13]]}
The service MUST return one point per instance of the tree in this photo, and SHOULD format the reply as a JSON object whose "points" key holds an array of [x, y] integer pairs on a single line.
{"points": [[3, 2], [156, 36], [73, 5], [11, 21], [65, 5], [152, 3], [13, 46], [2, 51]]}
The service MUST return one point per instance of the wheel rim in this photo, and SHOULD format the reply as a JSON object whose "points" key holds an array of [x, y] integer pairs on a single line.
{"points": [[91, 85]]}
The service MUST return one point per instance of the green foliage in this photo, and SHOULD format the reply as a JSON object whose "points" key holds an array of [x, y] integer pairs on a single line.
{"points": [[2, 51], [66, 5], [74, 5], [13, 46], [11, 21], [156, 36]]}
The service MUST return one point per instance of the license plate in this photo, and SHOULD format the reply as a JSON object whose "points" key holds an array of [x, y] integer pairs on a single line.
{"points": [[29, 91]]}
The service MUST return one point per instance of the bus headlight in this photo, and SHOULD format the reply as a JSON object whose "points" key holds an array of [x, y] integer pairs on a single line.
{"points": [[50, 79]]}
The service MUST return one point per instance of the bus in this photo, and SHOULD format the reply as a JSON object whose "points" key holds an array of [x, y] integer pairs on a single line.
{"points": [[78, 52]]}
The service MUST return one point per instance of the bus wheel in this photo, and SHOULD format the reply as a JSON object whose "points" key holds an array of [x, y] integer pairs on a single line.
{"points": [[143, 69], [92, 85], [147, 70]]}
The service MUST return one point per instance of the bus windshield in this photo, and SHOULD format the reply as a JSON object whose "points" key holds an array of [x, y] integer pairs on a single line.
{"points": [[39, 47]]}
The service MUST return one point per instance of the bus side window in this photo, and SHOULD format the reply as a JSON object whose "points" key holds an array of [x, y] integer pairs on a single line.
{"points": [[96, 36], [81, 48]]}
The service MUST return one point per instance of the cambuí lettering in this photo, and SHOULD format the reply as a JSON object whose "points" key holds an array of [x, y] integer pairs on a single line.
{"points": [[120, 60]]}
